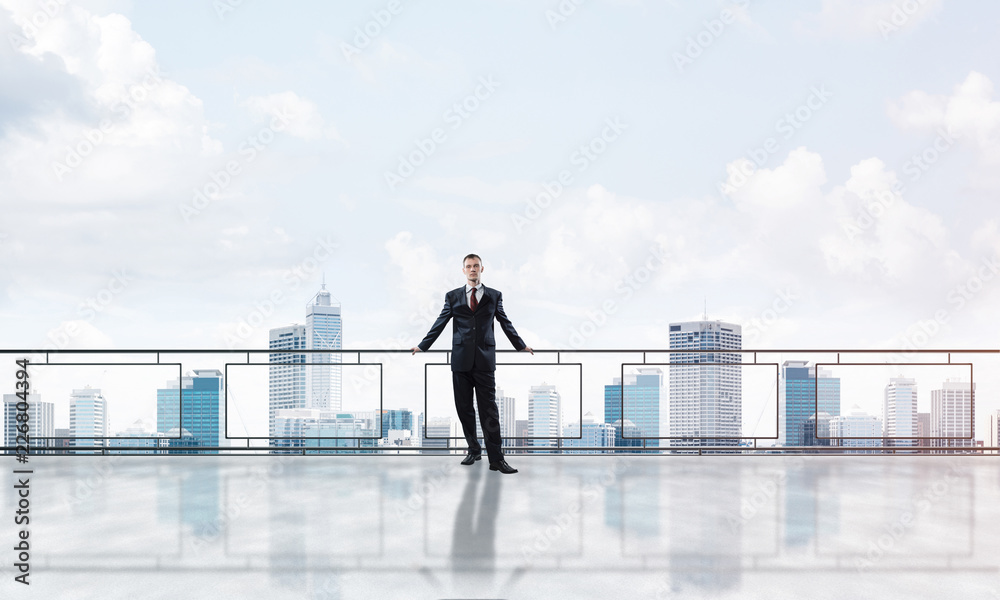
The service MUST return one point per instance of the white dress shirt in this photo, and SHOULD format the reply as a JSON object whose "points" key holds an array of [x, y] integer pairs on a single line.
{"points": [[468, 291]]}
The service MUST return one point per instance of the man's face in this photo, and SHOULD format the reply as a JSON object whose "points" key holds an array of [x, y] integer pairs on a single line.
{"points": [[472, 269]]}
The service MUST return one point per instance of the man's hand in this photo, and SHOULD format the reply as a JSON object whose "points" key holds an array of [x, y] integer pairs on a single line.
{"points": [[528, 349], [414, 350]]}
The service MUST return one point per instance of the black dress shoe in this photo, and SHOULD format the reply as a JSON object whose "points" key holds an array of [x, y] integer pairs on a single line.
{"points": [[503, 467], [471, 458]]}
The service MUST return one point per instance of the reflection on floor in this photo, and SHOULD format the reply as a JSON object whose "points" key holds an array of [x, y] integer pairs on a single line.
{"points": [[367, 527]]}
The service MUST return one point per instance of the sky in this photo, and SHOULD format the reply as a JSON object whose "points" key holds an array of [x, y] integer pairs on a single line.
{"points": [[185, 174]]}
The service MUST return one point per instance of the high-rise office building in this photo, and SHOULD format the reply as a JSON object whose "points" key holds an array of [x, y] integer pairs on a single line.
{"points": [[307, 379], [544, 415], [899, 412], [506, 405], [286, 373], [323, 332], [396, 420], [88, 417], [802, 384], [952, 414], [41, 421], [856, 424], [706, 397], [192, 411], [924, 430], [816, 429], [591, 435], [640, 399]]}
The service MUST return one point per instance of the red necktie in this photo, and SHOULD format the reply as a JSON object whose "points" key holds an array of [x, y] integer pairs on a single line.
{"points": [[473, 303]]}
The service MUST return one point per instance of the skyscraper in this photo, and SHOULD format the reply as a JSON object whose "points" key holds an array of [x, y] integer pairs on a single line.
{"points": [[706, 399], [396, 419], [197, 424], [323, 332], [856, 424], [286, 373], [641, 403], [801, 401], [307, 380], [899, 412], [41, 421], [506, 405], [88, 417], [544, 415], [952, 411]]}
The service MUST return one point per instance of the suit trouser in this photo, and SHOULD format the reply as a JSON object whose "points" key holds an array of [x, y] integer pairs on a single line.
{"points": [[484, 383]]}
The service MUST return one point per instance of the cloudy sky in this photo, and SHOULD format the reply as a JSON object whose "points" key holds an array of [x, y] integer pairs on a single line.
{"points": [[182, 175]]}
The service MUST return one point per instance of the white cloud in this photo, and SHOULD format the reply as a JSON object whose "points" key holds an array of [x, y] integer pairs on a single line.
{"points": [[303, 117], [883, 237], [970, 111], [865, 18], [795, 181]]}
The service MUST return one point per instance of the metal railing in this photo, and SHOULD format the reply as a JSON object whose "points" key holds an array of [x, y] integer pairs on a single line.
{"points": [[41, 358]]}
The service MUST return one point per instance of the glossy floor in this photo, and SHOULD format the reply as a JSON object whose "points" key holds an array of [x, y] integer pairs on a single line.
{"points": [[564, 527]]}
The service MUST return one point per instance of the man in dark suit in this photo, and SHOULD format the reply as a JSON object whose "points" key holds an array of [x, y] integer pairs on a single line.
{"points": [[474, 359]]}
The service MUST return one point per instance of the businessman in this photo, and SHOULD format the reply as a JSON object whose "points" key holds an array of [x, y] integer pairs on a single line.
{"points": [[474, 358]]}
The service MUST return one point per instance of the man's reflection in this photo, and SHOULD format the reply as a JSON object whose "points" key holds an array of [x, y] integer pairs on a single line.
{"points": [[473, 544]]}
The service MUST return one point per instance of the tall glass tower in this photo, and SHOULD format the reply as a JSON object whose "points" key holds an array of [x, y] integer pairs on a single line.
{"points": [[197, 423], [706, 391], [899, 411], [641, 404], [801, 386], [323, 332], [88, 417], [286, 373], [309, 380], [544, 414]]}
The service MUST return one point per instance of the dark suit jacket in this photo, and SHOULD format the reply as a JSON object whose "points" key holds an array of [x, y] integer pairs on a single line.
{"points": [[472, 341]]}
